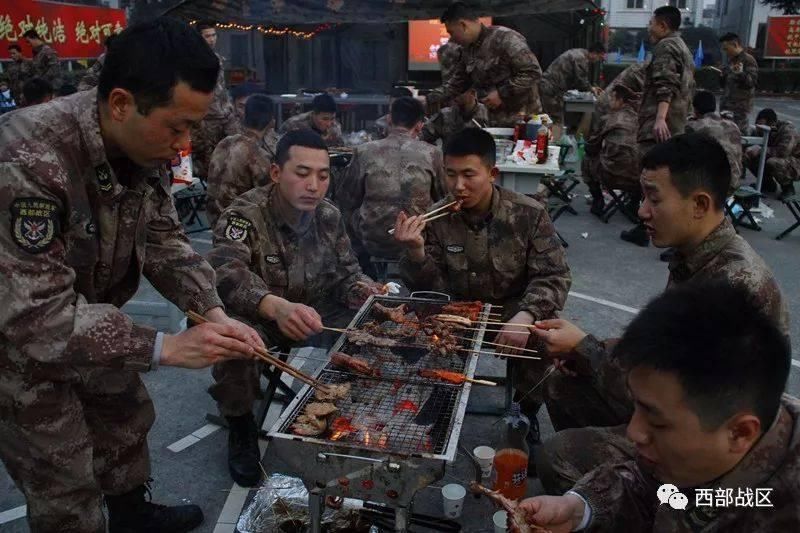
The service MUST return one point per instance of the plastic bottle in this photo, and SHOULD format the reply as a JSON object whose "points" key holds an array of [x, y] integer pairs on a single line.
{"points": [[532, 127], [519, 128], [581, 147], [511, 460], [542, 143]]}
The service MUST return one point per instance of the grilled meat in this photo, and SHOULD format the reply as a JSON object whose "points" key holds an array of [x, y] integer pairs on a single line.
{"points": [[361, 338], [354, 364], [395, 314], [442, 375], [471, 310], [333, 393], [320, 409], [405, 331], [309, 426], [517, 521]]}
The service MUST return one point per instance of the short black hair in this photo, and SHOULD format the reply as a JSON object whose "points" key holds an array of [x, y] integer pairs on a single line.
{"points": [[704, 102], [726, 353], [669, 15], [244, 90], [323, 103], [696, 161], [597, 48], [730, 36], [32, 34], [406, 112], [399, 92], [109, 41], [205, 25], [767, 114], [302, 137], [258, 111], [150, 58], [66, 90], [458, 11], [35, 90], [16, 47], [472, 141]]}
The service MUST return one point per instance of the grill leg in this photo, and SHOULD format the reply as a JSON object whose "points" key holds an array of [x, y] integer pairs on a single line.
{"points": [[316, 504], [401, 519]]}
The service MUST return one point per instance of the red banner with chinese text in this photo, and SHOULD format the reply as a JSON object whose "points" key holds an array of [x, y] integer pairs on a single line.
{"points": [[783, 37], [75, 32]]}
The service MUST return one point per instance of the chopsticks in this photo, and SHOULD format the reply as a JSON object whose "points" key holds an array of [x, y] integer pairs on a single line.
{"points": [[263, 354], [427, 217]]}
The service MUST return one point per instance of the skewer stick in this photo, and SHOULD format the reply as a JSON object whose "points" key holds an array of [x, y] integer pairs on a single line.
{"points": [[513, 356], [337, 330], [263, 354], [481, 382], [428, 216], [499, 345]]}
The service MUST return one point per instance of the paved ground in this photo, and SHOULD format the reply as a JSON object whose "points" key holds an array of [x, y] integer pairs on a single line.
{"points": [[609, 278]]}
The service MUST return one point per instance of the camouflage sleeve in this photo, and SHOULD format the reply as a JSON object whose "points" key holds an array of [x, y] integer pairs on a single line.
{"points": [[348, 269], [51, 68], [227, 171], [549, 278], [172, 266], [619, 491], [438, 187], [430, 131], [428, 275], [91, 78], [582, 75], [239, 287], [748, 77], [335, 136], [785, 141], [666, 72], [525, 69], [458, 83], [43, 317], [350, 191]]}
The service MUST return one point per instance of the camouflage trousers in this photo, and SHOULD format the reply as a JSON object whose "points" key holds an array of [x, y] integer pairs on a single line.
{"points": [[553, 105], [582, 401], [67, 443], [569, 455], [784, 170], [237, 383], [205, 137], [590, 171]]}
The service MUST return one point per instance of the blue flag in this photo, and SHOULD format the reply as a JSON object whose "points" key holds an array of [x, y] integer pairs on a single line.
{"points": [[698, 55], [642, 54], [619, 55]]}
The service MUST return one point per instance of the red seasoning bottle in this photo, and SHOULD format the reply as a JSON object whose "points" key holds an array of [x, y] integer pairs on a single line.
{"points": [[542, 141]]}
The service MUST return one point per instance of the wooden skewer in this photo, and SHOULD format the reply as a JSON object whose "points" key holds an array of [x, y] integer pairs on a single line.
{"points": [[500, 345], [428, 216], [337, 330], [481, 382], [513, 356], [263, 354]]}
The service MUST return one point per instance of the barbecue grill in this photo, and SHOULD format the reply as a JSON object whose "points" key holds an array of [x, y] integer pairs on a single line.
{"points": [[395, 433]]}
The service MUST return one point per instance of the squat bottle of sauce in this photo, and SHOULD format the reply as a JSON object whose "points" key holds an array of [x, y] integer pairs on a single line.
{"points": [[511, 459]]}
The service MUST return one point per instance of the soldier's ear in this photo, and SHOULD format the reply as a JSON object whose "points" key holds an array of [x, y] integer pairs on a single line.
{"points": [[744, 430], [703, 204], [275, 173], [494, 173], [121, 104]]}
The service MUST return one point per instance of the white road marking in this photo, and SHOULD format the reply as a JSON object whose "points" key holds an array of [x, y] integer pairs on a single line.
{"points": [[13, 514], [194, 438]]}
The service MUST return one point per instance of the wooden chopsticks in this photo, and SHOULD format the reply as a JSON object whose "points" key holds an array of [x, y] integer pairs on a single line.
{"points": [[263, 354], [427, 217]]}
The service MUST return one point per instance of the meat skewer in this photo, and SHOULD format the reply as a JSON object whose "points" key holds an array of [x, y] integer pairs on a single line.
{"points": [[528, 350], [395, 314], [512, 356], [451, 377], [517, 521], [359, 366]]}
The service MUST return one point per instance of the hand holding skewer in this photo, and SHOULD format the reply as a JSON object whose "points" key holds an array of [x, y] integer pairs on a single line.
{"points": [[295, 320], [512, 336]]}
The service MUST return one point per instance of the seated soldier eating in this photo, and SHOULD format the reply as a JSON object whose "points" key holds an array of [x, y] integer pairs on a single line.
{"points": [[717, 442], [283, 263], [499, 247]]}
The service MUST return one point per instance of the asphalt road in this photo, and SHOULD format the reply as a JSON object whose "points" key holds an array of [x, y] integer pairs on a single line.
{"points": [[621, 276]]}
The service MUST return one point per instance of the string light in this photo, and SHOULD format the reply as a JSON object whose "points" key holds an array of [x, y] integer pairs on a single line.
{"points": [[271, 30]]}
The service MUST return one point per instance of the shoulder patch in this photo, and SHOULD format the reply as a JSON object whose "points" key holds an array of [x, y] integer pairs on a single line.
{"points": [[455, 249], [237, 228], [104, 177], [34, 223], [272, 259]]}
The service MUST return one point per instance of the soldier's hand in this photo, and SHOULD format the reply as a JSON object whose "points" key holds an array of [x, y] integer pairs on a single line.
{"points": [[206, 344], [408, 232], [556, 513], [361, 291], [560, 336], [661, 130], [492, 100], [297, 321], [219, 316], [514, 336], [597, 91]]}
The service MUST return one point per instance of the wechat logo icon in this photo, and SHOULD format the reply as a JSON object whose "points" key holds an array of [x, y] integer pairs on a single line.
{"points": [[670, 495]]}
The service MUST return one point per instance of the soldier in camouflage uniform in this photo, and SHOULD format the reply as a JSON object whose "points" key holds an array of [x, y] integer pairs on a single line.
{"points": [[220, 121], [45, 62], [500, 247], [381, 127], [695, 426], [739, 81], [79, 226], [783, 153], [496, 61], [241, 162], [92, 76], [668, 86], [283, 263], [17, 72], [448, 55], [598, 395], [706, 120], [398, 173], [321, 119], [632, 78], [568, 71], [466, 112]]}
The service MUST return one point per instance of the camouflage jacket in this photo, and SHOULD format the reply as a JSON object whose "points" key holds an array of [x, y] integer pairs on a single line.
{"points": [[450, 120], [668, 78], [729, 137], [333, 137], [722, 256], [511, 257], [92, 76], [45, 65], [499, 60], [17, 73], [384, 177], [381, 127], [626, 493], [221, 107], [783, 140], [739, 88], [449, 54], [615, 146], [78, 231], [239, 163], [257, 252], [568, 71]]}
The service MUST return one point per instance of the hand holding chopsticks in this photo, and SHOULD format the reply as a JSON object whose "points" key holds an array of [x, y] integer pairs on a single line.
{"points": [[432, 215]]}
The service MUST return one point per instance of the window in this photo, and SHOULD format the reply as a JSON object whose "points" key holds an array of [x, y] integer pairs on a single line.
{"points": [[680, 4], [636, 4]]}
